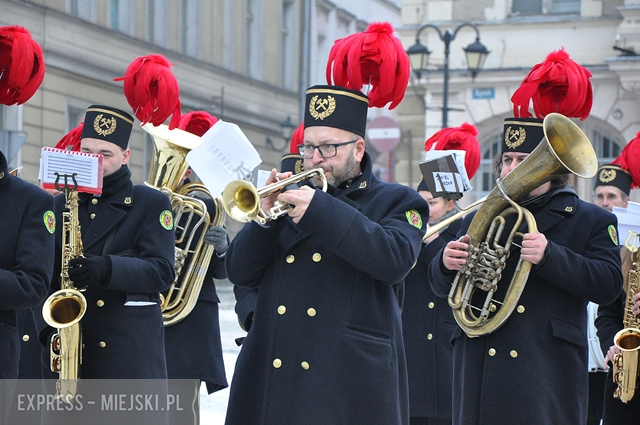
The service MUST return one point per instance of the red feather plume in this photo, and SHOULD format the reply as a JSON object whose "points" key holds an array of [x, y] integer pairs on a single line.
{"points": [[152, 90], [197, 122], [375, 57], [629, 160], [21, 65], [297, 138], [556, 85], [71, 140], [458, 138]]}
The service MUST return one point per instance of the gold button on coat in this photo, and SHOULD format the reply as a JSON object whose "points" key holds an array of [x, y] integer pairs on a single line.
{"points": [[431, 305], [282, 309], [94, 201], [102, 344], [93, 215], [277, 363], [430, 336], [305, 365], [520, 309], [514, 353], [311, 312], [25, 337], [492, 352], [317, 257], [99, 303], [290, 259]]}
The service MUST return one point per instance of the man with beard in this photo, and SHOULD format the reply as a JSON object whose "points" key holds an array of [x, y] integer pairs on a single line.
{"points": [[326, 344]]}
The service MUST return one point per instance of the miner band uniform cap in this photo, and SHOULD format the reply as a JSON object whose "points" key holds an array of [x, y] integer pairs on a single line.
{"points": [[337, 107], [291, 162], [521, 134], [108, 124], [614, 175]]}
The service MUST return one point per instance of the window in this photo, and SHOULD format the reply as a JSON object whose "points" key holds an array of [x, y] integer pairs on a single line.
{"points": [[539, 7], [229, 38], [84, 9], [190, 28], [252, 38], [607, 149], [11, 135], [287, 63], [157, 22], [484, 180], [120, 16]]}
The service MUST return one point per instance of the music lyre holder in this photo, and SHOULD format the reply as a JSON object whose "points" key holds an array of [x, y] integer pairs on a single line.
{"points": [[66, 188]]}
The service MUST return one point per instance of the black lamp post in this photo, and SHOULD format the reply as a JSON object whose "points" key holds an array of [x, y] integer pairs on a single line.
{"points": [[287, 128], [476, 54]]}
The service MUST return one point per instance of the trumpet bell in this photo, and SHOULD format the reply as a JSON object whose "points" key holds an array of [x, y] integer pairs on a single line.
{"points": [[241, 201]]}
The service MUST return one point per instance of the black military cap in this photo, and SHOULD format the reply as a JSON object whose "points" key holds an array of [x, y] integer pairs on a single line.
{"points": [[521, 134], [109, 124], [614, 175], [291, 162], [337, 107], [422, 185]]}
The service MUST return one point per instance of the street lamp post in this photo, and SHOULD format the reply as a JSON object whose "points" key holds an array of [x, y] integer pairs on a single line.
{"points": [[476, 54]]}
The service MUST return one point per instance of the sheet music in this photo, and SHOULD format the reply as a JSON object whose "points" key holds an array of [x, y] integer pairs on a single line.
{"points": [[87, 168], [464, 184], [225, 154]]}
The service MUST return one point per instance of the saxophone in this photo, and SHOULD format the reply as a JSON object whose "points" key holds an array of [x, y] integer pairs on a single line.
{"points": [[625, 363], [65, 308]]}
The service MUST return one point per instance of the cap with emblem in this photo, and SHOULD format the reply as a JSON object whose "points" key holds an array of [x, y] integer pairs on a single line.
{"points": [[558, 84], [337, 107], [624, 171], [614, 175], [292, 161], [109, 124]]}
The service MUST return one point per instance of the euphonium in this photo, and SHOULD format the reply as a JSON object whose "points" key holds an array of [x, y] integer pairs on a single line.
{"points": [[564, 149], [65, 308], [625, 363], [191, 218], [241, 200]]}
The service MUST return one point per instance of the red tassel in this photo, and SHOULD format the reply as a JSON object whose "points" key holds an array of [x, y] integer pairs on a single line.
{"points": [[197, 122], [458, 138], [556, 85], [374, 57], [71, 140], [297, 138], [21, 65], [152, 90], [629, 160]]}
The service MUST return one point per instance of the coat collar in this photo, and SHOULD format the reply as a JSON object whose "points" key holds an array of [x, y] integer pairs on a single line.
{"points": [[561, 205]]}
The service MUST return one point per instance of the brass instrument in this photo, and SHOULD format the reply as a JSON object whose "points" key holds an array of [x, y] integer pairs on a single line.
{"points": [[564, 149], [191, 218], [241, 200], [65, 308], [625, 363]]}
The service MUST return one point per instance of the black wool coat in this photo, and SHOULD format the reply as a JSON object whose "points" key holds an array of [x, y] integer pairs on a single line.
{"points": [[193, 346], [123, 337], [533, 369], [26, 258], [325, 346], [427, 326]]}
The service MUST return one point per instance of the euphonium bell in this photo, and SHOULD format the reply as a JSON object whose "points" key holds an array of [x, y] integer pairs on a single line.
{"points": [[191, 217], [564, 149], [241, 200]]}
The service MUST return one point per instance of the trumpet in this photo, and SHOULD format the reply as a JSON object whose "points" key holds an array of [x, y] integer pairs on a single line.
{"points": [[241, 200]]}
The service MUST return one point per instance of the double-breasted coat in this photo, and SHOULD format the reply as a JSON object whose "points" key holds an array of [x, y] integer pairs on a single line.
{"points": [[427, 325], [325, 346], [26, 258], [193, 345], [533, 369], [122, 328]]}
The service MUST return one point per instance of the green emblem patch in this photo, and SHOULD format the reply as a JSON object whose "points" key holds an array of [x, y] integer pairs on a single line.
{"points": [[613, 233], [49, 219], [166, 219], [414, 219]]}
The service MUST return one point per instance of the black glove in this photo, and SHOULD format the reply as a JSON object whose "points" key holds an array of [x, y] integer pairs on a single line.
{"points": [[217, 236], [88, 269]]}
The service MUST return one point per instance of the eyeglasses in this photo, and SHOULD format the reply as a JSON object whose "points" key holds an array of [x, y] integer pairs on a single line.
{"points": [[326, 151]]}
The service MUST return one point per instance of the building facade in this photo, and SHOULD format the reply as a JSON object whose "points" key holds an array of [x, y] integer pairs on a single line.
{"points": [[603, 36]]}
